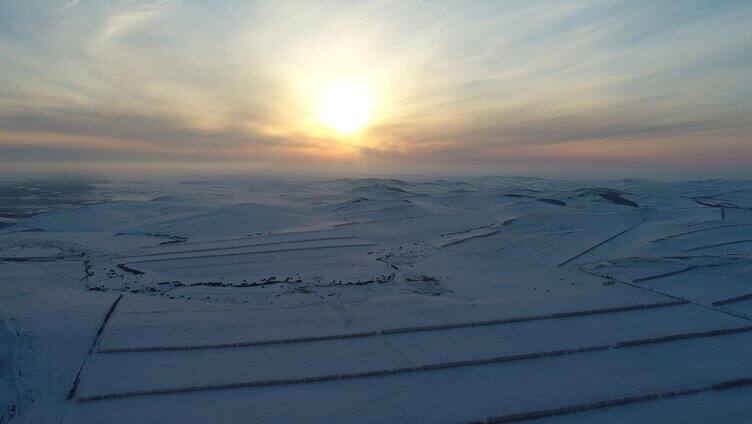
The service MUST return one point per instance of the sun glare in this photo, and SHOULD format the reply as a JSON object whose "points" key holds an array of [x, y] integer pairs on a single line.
{"points": [[345, 107]]}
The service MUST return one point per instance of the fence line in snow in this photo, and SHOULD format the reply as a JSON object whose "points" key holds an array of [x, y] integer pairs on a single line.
{"points": [[582, 407], [107, 316], [420, 368], [556, 315], [733, 300]]}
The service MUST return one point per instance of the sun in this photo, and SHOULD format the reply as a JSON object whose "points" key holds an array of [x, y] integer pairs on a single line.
{"points": [[345, 107]]}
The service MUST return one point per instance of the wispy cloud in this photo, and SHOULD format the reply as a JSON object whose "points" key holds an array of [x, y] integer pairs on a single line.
{"points": [[70, 5], [122, 24]]}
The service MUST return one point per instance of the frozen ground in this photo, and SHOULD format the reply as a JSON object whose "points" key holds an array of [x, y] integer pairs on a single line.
{"points": [[234, 300]]}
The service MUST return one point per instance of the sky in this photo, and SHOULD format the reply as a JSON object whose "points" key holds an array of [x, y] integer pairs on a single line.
{"points": [[656, 89]]}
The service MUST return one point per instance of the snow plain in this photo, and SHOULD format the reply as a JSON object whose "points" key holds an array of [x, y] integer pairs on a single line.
{"points": [[496, 299]]}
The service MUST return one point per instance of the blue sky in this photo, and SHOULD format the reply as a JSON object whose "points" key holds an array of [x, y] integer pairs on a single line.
{"points": [[590, 88]]}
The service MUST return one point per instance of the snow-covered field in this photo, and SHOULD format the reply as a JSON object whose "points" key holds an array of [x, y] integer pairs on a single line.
{"points": [[236, 300]]}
